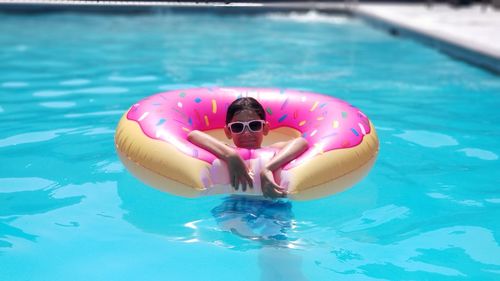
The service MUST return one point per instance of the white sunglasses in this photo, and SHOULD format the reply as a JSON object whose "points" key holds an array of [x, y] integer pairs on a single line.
{"points": [[252, 125]]}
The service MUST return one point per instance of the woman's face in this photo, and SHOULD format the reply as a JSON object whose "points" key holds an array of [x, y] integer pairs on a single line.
{"points": [[247, 138]]}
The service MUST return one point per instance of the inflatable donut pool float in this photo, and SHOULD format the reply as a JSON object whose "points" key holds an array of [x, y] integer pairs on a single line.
{"points": [[151, 141]]}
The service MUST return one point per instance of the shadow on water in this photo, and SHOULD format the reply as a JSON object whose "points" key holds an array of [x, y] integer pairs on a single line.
{"points": [[9, 231], [266, 222]]}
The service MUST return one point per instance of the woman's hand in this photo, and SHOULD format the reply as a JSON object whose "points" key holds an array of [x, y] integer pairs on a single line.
{"points": [[238, 172], [269, 187]]}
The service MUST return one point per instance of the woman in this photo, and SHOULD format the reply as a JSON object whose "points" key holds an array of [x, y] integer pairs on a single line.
{"points": [[246, 125]]}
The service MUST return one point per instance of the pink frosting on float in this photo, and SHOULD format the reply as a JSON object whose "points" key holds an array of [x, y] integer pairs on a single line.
{"points": [[327, 123]]}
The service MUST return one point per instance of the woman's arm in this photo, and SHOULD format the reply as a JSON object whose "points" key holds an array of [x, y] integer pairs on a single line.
{"points": [[290, 151], [238, 171]]}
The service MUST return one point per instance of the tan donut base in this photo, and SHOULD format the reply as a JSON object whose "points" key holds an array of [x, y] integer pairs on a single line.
{"points": [[161, 165]]}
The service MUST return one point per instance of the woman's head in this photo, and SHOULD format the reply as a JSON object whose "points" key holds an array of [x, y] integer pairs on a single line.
{"points": [[245, 104], [239, 126]]}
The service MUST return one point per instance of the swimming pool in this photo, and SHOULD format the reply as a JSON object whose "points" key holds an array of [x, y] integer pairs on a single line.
{"points": [[69, 211]]}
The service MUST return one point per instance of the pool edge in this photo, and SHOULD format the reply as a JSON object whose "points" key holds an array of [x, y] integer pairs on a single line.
{"points": [[479, 56]]}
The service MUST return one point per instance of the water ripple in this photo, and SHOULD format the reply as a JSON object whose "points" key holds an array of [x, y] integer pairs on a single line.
{"points": [[479, 153], [15, 84], [427, 139], [449, 198], [376, 217], [144, 78], [416, 253], [110, 167], [32, 137], [74, 82], [493, 200], [21, 48], [169, 87], [58, 104], [24, 184], [95, 90], [97, 113]]}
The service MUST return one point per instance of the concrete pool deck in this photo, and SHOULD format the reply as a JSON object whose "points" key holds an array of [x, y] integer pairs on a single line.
{"points": [[470, 33]]}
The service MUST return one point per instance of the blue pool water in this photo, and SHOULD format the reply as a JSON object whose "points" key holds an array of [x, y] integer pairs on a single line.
{"points": [[429, 209]]}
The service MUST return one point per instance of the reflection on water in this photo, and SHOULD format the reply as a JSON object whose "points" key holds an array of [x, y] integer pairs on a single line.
{"points": [[239, 223], [254, 218], [268, 223]]}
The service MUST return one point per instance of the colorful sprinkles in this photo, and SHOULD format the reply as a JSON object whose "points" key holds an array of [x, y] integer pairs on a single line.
{"points": [[160, 121], [283, 105], [214, 106], [337, 124], [198, 116], [143, 116], [362, 128], [314, 106]]}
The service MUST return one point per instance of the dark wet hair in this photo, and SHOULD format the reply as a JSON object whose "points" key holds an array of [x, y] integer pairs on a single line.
{"points": [[241, 104]]}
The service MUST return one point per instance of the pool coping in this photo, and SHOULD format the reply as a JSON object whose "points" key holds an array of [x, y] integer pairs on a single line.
{"points": [[475, 54], [158, 6]]}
